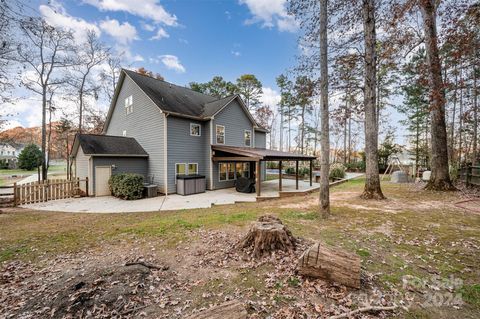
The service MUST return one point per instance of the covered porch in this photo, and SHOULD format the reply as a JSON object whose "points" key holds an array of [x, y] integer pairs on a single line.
{"points": [[257, 156]]}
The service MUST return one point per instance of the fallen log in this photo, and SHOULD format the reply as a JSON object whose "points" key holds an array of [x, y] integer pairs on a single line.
{"points": [[227, 310], [330, 264], [364, 309], [266, 235]]}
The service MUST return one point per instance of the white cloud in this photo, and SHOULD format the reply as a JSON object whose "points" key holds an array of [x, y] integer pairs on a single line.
{"points": [[236, 53], [12, 124], [270, 97], [270, 13], [57, 16], [171, 62], [161, 33], [150, 9], [147, 27], [124, 33], [184, 41]]}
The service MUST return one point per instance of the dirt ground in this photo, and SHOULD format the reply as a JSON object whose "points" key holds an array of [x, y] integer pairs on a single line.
{"points": [[419, 251]]}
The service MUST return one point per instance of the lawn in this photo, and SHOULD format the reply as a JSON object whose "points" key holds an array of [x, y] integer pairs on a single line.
{"points": [[418, 250]]}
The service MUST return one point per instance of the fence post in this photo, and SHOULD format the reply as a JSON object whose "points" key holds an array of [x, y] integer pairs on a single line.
{"points": [[15, 194], [86, 186]]}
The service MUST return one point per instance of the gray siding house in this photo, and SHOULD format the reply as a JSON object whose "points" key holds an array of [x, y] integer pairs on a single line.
{"points": [[179, 131]]}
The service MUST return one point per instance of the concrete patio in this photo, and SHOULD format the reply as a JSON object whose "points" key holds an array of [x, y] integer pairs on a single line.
{"points": [[110, 204]]}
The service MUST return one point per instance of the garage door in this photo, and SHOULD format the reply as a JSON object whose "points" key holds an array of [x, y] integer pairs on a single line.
{"points": [[102, 175]]}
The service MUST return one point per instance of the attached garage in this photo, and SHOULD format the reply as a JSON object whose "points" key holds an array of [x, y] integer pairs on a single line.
{"points": [[100, 156]]}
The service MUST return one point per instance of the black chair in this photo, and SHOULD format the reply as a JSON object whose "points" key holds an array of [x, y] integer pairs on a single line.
{"points": [[245, 185]]}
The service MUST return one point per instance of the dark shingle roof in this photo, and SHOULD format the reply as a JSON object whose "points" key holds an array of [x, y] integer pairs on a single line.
{"points": [[109, 145], [170, 97]]}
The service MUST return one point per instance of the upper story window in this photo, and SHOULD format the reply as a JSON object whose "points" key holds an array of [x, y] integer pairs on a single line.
{"points": [[220, 134], [248, 138], [195, 129], [128, 105]]}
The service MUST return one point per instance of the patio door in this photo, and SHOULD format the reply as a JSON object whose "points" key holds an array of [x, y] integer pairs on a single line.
{"points": [[102, 175]]}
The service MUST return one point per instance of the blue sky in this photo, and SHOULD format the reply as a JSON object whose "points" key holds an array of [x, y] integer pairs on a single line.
{"points": [[183, 40], [223, 37]]}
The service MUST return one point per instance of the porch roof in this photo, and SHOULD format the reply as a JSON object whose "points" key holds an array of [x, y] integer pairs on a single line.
{"points": [[225, 153]]}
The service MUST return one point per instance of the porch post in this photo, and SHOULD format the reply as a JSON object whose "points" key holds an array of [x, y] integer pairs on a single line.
{"points": [[311, 172], [280, 176], [296, 174], [258, 178]]}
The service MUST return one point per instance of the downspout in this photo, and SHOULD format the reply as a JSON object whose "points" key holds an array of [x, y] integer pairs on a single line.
{"points": [[165, 157], [210, 150]]}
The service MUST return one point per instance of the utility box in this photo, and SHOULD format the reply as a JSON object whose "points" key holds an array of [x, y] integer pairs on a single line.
{"points": [[190, 184], [150, 191]]}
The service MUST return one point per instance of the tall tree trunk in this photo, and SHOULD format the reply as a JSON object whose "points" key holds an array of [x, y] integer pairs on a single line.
{"points": [[460, 120], [281, 128], [440, 178], [325, 137], [349, 139], [454, 111], [44, 133], [475, 114], [372, 182], [345, 134]]}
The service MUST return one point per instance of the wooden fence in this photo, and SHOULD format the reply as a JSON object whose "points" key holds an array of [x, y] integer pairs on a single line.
{"points": [[470, 175], [37, 192]]}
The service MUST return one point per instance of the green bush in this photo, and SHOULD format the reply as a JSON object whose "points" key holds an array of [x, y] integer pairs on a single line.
{"points": [[337, 171], [30, 157], [3, 164], [303, 171], [290, 170], [126, 186]]}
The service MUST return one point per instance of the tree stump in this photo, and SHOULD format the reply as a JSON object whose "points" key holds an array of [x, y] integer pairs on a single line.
{"points": [[333, 265], [266, 235], [227, 310]]}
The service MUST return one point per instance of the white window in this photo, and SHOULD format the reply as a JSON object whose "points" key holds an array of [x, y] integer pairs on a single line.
{"points": [[226, 171], [128, 105], [180, 169], [192, 168], [220, 134], [242, 170], [124, 133], [248, 138], [195, 129]]}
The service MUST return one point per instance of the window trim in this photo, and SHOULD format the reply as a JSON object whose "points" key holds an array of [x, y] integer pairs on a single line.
{"points": [[129, 107], [216, 134], [176, 171], [188, 169], [226, 172], [245, 138], [199, 129]]}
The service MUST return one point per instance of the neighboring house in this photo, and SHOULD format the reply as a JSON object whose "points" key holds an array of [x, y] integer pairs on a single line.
{"points": [[182, 132], [9, 154]]}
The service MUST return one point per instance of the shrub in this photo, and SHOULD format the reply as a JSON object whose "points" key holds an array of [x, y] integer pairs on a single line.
{"points": [[126, 186], [30, 157], [3, 164], [290, 170], [337, 171], [303, 171]]}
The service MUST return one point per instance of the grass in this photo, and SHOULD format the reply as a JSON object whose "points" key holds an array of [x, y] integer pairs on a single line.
{"points": [[413, 232], [51, 169]]}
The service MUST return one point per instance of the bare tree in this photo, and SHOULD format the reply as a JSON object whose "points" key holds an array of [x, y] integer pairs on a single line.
{"points": [[44, 52], [325, 135], [440, 178], [372, 188], [109, 76], [90, 54]]}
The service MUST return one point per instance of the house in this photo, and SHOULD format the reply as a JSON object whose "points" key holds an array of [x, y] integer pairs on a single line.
{"points": [[162, 130], [9, 154]]}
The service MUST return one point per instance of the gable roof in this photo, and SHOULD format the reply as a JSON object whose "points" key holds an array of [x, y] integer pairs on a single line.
{"points": [[107, 145], [177, 100]]}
